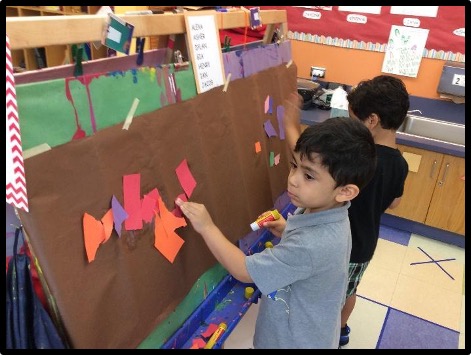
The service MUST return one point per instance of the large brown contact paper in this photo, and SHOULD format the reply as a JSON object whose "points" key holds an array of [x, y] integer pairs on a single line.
{"points": [[119, 298]]}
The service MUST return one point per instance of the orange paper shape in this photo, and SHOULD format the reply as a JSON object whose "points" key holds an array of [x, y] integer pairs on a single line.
{"points": [[170, 221], [107, 221], [258, 147], [166, 243], [94, 235], [198, 343]]}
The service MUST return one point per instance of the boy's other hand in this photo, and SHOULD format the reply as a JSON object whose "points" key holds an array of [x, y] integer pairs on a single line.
{"points": [[197, 214], [276, 227]]}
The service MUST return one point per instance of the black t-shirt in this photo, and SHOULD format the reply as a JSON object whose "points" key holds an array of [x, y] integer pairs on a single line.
{"points": [[367, 208]]}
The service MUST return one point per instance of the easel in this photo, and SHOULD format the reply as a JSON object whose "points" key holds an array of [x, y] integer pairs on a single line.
{"points": [[50, 30], [40, 31]]}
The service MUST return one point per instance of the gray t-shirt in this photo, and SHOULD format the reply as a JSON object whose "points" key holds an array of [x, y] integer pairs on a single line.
{"points": [[303, 282]]}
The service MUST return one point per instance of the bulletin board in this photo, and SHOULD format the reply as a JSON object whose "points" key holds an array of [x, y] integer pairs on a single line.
{"points": [[328, 25]]}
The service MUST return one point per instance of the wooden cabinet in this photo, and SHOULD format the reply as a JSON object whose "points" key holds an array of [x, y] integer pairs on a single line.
{"points": [[434, 192], [35, 58]]}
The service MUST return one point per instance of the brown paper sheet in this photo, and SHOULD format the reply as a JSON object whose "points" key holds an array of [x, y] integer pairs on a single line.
{"points": [[119, 298]]}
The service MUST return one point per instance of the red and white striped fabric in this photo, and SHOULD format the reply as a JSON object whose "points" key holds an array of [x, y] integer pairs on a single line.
{"points": [[15, 171]]}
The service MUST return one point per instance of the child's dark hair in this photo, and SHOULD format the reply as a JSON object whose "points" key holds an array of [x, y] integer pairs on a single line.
{"points": [[346, 147], [383, 95]]}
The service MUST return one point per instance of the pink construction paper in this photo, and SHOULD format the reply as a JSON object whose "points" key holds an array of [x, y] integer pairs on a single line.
{"points": [[185, 177], [132, 201]]}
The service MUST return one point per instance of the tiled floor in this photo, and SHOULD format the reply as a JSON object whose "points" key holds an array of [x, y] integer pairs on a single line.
{"points": [[411, 297]]}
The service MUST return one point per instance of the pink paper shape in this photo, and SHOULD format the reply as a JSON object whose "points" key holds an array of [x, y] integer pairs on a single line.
{"points": [[132, 201], [277, 159], [147, 208], [266, 105], [177, 212], [185, 177], [210, 330]]}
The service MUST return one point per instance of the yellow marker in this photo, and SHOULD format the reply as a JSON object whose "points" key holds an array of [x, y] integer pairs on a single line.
{"points": [[216, 335], [268, 244], [248, 292]]}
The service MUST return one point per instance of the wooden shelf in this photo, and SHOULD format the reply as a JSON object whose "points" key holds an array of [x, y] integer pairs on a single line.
{"points": [[51, 55], [27, 31]]}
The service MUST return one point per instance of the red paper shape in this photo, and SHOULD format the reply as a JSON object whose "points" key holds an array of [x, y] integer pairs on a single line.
{"points": [[177, 211], [210, 330], [148, 206], [132, 201], [186, 179]]}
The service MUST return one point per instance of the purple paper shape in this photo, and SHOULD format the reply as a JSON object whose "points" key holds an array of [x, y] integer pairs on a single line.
{"points": [[119, 215], [270, 105], [280, 119], [269, 129]]}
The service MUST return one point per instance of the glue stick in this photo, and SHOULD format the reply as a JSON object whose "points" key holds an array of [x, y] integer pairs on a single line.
{"points": [[216, 336], [267, 216]]}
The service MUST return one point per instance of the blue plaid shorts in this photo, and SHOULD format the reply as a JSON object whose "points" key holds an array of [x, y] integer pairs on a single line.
{"points": [[356, 270]]}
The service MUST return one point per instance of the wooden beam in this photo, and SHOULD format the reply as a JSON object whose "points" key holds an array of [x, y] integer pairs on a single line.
{"points": [[41, 31]]}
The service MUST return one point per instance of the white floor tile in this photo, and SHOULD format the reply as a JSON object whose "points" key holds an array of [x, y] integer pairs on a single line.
{"points": [[243, 333]]}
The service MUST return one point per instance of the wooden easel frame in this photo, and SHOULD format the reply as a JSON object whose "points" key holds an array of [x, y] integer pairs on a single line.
{"points": [[40, 31]]}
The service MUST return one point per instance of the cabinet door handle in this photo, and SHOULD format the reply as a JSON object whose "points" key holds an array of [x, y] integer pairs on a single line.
{"points": [[432, 169], [443, 179]]}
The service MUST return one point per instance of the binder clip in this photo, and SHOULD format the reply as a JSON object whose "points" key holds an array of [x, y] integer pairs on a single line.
{"points": [[140, 50], [227, 44]]}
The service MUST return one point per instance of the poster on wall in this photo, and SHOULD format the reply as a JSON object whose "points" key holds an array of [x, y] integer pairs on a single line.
{"points": [[368, 27], [205, 50], [404, 50]]}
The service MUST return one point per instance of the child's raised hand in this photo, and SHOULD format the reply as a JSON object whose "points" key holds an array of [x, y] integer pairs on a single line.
{"points": [[276, 227], [197, 214], [292, 107]]}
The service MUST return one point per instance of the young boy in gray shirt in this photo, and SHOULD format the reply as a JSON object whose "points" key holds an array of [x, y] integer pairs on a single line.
{"points": [[303, 279]]}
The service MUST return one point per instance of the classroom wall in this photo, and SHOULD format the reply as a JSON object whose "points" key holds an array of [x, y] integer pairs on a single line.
{"points": [[349, 66]]}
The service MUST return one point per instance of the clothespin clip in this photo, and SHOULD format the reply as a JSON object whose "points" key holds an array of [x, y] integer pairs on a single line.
{"points": [[178, 57], [140, 50], [227, 44], [77, 53]]}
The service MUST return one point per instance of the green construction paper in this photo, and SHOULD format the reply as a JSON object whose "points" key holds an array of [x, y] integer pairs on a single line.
{"points": [[111, 94], [202, 287]]}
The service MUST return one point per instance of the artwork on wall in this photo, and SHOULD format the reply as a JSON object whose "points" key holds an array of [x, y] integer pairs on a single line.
{"points": [[368, 27]]}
